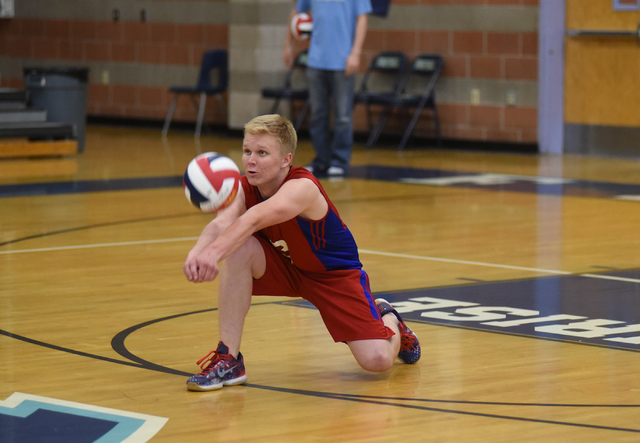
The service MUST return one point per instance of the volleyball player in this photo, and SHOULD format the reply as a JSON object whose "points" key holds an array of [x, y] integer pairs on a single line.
{"points": [[282, 236]]}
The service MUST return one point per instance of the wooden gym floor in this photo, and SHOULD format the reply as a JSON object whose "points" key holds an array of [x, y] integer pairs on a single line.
{"points": [[519, 273]]}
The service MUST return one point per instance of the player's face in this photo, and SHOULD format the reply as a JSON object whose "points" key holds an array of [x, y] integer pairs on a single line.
{"points": [[262, 160]]}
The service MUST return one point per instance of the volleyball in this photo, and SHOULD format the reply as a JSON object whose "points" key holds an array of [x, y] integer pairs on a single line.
{"points": [[211, 181], [301, 26]]}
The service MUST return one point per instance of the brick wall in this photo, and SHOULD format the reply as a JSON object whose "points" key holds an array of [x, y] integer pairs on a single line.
{"points": [[492, 47], [498, 60], [114, 51]]}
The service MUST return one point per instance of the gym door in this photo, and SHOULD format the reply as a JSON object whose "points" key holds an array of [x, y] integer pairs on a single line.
{"points": [[602, 77]]}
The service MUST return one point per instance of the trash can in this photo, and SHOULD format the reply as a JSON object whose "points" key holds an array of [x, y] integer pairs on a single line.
{"points": [[62, 91]]}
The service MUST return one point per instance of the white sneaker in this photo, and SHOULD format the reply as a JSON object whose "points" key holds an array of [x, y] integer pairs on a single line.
{"points": [[335, 171], [309, 168]]}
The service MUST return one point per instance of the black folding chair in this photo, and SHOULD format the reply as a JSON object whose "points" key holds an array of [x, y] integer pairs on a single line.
{"points": [[380, 85], [211, 61], [421, 78], [289, 92], [417, 91]]}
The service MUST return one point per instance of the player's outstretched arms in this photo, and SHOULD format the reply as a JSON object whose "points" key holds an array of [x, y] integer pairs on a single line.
{"points": [[210, 233]]}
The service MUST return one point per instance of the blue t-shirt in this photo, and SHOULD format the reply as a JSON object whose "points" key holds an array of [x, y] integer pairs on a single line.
{"points": [[334, 27]]}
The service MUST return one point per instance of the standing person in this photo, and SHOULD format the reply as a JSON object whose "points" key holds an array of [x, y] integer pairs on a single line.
{"points": [[282, 236], [339, 30]]}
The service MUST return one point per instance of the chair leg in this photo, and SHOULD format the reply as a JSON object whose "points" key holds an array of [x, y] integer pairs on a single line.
{"points": [[412, 124], [379, 126], [436, 121], [274, 108], [369, 118], [167, 121], [222, 104], [203, 102], [303, 113]]}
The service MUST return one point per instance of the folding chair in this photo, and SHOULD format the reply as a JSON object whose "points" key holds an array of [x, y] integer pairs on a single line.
{"points": [[290, 93], [380, 85], [211, 60], [424, 73]]}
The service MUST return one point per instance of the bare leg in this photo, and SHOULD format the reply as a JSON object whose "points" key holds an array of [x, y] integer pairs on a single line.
{"points": [[378, 355], [234, 293]]}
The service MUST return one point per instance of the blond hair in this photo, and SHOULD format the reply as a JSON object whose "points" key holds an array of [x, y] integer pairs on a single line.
{"points": [[276, 125]]}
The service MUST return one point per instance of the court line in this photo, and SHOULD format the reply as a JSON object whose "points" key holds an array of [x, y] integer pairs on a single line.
{"points": [[362, 251], [99, 245], [367, 399], [611, 277], [132, 360], [98, 225], [493, 265], [118, 345], [67, 350], [490, 403], [464, 262]]}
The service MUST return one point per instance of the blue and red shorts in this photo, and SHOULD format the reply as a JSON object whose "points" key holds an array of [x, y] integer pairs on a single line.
{"points": [[343, 297]]}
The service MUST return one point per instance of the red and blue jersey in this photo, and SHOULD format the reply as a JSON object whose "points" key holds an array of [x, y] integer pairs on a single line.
{"points": [[311, 245]]}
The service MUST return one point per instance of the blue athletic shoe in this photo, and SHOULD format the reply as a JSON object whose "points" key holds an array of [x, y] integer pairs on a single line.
{"points": [[409, 344], [218, 369]]}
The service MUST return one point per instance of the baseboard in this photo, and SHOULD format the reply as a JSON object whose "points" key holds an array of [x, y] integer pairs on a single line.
{"points": [[385, 141]]}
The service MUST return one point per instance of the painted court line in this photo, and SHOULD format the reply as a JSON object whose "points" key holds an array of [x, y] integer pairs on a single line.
{"points": [[492, 265], [362, 251], [611, 277], [131, 427], [99, 245], [465, 262]]}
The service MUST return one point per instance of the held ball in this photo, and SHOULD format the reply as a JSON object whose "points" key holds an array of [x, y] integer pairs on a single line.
{"points": [[301, 26], [211, 181]]}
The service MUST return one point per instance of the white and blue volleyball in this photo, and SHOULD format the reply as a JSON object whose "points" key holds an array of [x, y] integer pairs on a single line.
{"points": [[211, 182]]}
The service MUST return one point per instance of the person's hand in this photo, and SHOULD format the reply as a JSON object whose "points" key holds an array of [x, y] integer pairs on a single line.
{"points": [[353, 63], [201, 268]]}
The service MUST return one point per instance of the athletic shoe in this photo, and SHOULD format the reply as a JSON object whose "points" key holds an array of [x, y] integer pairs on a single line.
{"points": [[316, 169], [219, 369], [409, 343], [336, 171]]}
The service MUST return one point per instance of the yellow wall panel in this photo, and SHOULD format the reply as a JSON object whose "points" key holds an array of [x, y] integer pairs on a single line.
{"points": [[602, 82], [602, 75], [599, 14]]}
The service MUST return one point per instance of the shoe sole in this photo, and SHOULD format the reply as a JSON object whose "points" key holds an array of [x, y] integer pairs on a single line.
{"points": [[235, 381]]}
